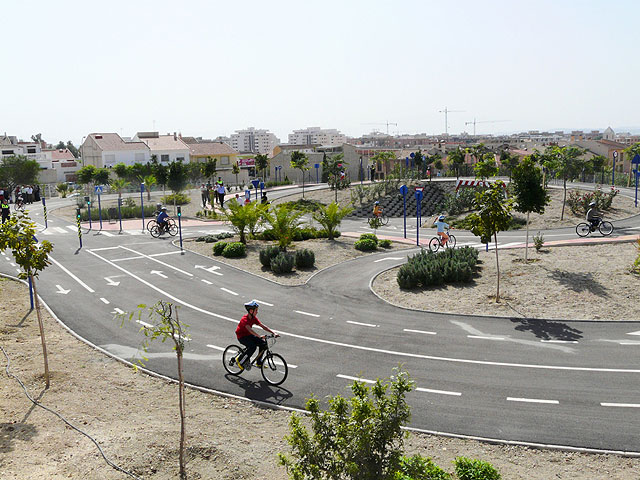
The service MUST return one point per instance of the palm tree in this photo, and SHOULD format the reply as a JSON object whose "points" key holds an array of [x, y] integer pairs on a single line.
{"points": [[300, 161], [119, 184], [330, 217], [149, 181], [284, 223]]}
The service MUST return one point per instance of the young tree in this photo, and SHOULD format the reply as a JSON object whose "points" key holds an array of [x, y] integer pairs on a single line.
{"points": [[262, 163], [529, 193], [18, 170], [161, 172], [300, 161], [432, 159], [566, 162], [631, 152], [209, 168], [119, 184], [492, 215], [486, 167], [177, 176], [149, 182], [333, 166], [86, 176], [382, 158], [356, 439], [596, 165], [18, 235], [62, 189], [101, 176], [165, 327], [456, 160], [330, 217], [72, 148], [284, 223], [509, 160], [120, 170], [419, 161], [235, 170], [244, 219], [438, 164]]}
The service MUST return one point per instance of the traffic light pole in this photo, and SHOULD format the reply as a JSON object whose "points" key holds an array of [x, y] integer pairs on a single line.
{"points": [[180, 227], [79, 227]]}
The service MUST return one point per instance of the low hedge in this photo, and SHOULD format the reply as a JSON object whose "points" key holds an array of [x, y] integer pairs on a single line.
{"points": [[370, 236], [219, 247], [302, 234], [305, 258], [282, 263], [267, 254], [180, 199], [428, 269], [234, 250], [365, 245], [384, 243], [125, 211], [214, 238], [472, 469]]}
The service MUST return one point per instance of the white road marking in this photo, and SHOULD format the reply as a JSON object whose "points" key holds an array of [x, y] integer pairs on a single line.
{"points": [[106, 234], [419, 331], [134, 232], [104, 248], [89, 289], [215, 347], [73, 228], [440, 392], [306, 313], [262, 302], [363, 324], [12, 264], [637, 332], [228, 291], [629, 343], [144, 324], [211, 269], [481, 337], [206, 281], [62, 290], [60, 230], [111, 282], [621, 405], [158, 261], [532, 400], [159, 273], [127, 258], [347, 377], [165, 253], [559, 341], [117, 310], [387, 258], [105, 301], [46, 232]]}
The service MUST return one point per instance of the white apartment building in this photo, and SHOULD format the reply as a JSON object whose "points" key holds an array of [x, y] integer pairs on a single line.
{"points": [[317, 135], [255, 141], [109, 149], [167, 148]]}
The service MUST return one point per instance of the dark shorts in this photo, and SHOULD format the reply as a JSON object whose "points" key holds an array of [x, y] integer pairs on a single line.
{"points": [[251, 342]]}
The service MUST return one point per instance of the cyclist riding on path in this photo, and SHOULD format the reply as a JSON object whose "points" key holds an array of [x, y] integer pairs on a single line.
{"points": [[377, 209], [162, 219], [593, 215], [248, 337], [442, 226]]}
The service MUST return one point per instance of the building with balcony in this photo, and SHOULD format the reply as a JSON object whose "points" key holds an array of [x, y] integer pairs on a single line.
{"points": [[109, 149], [254, 141], [317, 135]]}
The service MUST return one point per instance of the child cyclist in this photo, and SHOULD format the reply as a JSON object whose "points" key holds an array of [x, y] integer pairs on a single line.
{"points": [[442, 226], [248, 337], [377, 209]]}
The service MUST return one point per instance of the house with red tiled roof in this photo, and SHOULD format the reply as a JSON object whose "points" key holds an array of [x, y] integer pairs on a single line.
{"points": [[109, 149], [166, 148], [63, 163]]}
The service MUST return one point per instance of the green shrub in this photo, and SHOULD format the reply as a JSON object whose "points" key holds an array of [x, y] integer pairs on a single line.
{"points": [[303, 205], [201, 239], [211, 239], [459, 202], [267, 235], [210, 214], [305, 258], [180, 199], [234, 250], [538, 241], [407, 278], [370, 236], [282, 263], [267, 254], [417, 467], [384, 243], [472, 469], [429, 269], [125, 211], [365, 245], [219, 247]]}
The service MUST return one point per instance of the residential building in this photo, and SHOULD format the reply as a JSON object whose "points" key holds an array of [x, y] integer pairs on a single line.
{"points": [[63, 164], [255, 141], [226, 157], [607, 148], [317, 135], [166, 148], [109, 149]]}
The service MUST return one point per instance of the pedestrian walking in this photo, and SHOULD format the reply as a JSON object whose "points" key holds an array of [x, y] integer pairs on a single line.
{"points": [[5, 210], [204, 194], [221, 193]]}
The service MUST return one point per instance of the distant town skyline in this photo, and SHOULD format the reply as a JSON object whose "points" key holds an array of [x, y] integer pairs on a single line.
{"points": [[210, 68]]}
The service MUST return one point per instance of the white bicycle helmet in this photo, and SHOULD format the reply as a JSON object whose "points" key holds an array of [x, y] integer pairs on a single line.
{"points": [[441, 217], [592, 204]]}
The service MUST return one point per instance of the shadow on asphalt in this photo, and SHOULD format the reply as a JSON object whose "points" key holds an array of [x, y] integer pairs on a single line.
{"points": [[548, 330], [261, 390]]}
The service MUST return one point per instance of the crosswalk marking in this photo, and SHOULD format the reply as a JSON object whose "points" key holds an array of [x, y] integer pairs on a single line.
{"points": [[60, 230], [73, 228]]}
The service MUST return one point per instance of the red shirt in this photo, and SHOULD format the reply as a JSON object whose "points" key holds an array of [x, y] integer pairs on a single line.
{"points": [[246, 321]]}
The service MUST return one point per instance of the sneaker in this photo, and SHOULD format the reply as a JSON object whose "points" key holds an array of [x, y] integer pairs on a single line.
{"points": [[247, 364]]}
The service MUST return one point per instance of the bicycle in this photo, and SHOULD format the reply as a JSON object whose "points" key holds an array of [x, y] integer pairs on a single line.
{"points": [[274, 367], [435, 243], [583, 229], [382, 217], [19, 205], [156, 230], [153, 222]]}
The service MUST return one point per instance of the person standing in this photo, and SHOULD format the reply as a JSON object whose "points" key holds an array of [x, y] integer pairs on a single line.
{"points": [[36, 193], [5, 210], [221, 193], [204, 194]]}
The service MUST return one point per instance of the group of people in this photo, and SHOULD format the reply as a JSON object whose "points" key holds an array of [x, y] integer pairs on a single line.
{"points": [[22, 193], [217, 191]]}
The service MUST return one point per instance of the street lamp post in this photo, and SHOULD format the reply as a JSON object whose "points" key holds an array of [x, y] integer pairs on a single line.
{"points": [[613, 170]]}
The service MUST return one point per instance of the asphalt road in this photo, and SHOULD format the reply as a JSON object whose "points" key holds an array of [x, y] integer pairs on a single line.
{"points": [[563, 383]]}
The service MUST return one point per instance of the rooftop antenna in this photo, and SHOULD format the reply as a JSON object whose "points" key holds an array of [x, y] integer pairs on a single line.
{"points": [[446, 112]]}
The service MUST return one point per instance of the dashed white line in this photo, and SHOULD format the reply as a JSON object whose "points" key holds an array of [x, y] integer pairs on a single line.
{"points": [[89, 289], [206, 281], [104, 300], [629, 343], [532, 400], [387, 258], [306, 313], [117, 310], [621, 405], [559, 341], [144, 324], [12, 264], [228, 291], [347, 377], [481, 337], [439, 392], [262, 302], [419, 331], [363, 324]]}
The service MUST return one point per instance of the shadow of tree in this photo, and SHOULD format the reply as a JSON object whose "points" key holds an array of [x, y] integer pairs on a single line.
{"points": [[10, 432], [547, 330], [578, 282]]}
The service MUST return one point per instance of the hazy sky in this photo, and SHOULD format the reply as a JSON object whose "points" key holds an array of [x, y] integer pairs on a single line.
{"points": [[207, 68]]}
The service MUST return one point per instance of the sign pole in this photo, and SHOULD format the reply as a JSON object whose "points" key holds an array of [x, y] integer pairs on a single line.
{"points": [[142, 204], [418, 195], [403, 191], [79, 228], [120, 213], [88, 200], [44, 206], [180, 228], [99, 210], [613, 170], [636, 161]]}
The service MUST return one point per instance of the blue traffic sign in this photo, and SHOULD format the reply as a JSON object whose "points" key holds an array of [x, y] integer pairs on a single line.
{"points": [[98, 189], [261, 185], [316, 165], [404, 189], [419, 195], [255, 183], [247, 194], [636, 160]]}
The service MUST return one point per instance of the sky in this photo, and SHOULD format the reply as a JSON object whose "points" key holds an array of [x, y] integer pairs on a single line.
{"points": [[208, 68]]}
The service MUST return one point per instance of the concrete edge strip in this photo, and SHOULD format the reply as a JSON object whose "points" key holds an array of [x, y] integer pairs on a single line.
{"points": [[305, 412]]}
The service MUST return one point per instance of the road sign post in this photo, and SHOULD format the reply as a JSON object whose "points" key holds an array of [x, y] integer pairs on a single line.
{"points": [[79, 227], [99, 191], [261, 188], [636, 161], [44, 207], [120, 213], [31, 292], [255, 184], [317, 167], [403, 191], [142, 204], [613, 170], [419, 196]]}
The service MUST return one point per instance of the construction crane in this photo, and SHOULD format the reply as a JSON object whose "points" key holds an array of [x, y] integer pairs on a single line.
{"points": [[446, 112], [484, 121], [386, 123]]}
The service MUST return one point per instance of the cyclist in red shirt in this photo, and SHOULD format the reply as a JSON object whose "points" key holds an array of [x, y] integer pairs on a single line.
{"points": [[248, 337]]}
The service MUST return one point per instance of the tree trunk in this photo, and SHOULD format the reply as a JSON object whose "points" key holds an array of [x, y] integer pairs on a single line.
{"points": [[526, 245], [564, 198], [495, 238], [302, 183], [41, 326], [183, 473]]}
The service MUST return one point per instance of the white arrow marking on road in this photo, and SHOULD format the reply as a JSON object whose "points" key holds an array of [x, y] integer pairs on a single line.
{"points": [[62, 290], [111, 282], [387, 258], [634, 333], [211, 269], [159, 273]]}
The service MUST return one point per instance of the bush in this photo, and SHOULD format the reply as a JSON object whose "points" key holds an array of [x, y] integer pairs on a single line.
{"points": [[234, 250], [472, 469], [365, 245], [538, 241], [211, 214], [267, 235], [305, 258], [419, 468], [371, 236], [267, 254], [210, 239], [306, 233], [180, 199], [125, 211], [579, 202], [384, 243], [219, 247], [459, 202], [432, 269], [304, 205], [282, 263]]}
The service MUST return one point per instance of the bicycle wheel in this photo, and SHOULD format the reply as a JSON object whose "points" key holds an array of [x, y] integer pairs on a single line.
{"points": [[605, 228], [452, 242], [274, 369], [173, 229], [434, 244], [583, 229], [229, 359], [150, 224], [384, 219], [155, 231]]}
